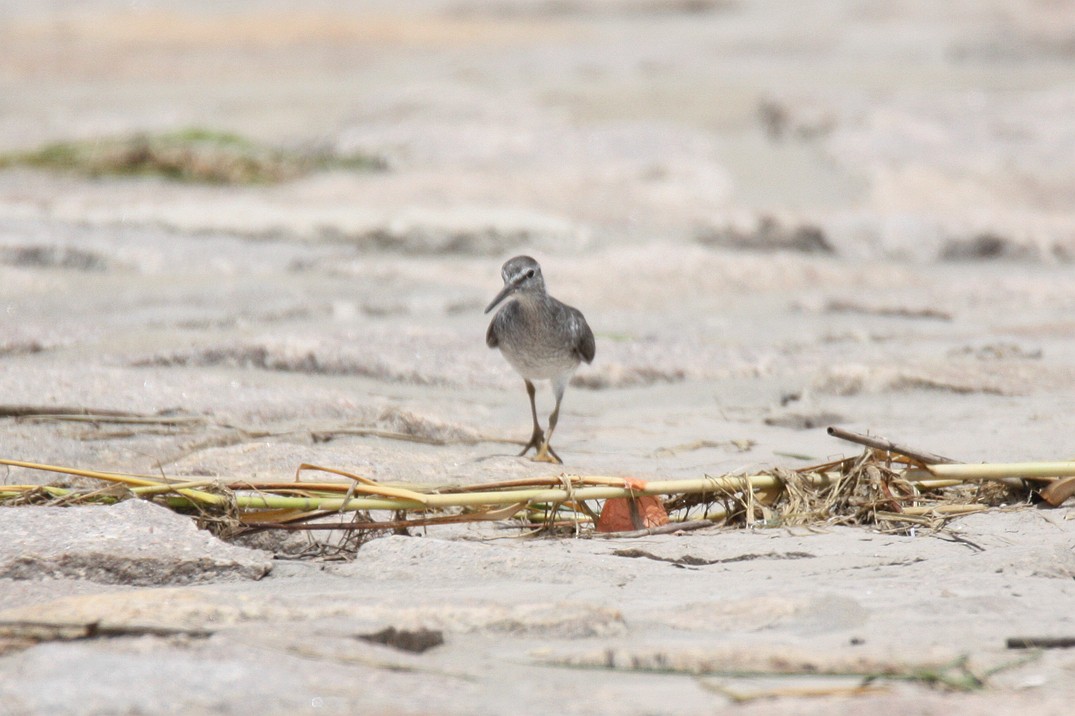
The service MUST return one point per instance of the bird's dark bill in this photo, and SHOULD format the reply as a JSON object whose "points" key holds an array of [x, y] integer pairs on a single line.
{"points": [[500, 297]]}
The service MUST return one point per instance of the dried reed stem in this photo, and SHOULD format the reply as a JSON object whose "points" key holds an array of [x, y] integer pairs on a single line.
{"points": [[879, 443], [967, 472]]}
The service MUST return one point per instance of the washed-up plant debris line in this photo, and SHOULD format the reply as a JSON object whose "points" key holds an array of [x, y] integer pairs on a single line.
{"points": [[887, 486]]}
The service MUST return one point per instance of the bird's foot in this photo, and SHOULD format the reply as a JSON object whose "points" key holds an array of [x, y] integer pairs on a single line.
{"points": [[537, 440], [545, 453]]}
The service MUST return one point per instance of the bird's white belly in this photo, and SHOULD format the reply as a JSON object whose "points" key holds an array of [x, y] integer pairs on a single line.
{"points": [[540, 362], [536, 342]]}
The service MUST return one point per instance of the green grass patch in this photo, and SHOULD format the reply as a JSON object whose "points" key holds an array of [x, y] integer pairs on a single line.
{"points": [[195, 154]]}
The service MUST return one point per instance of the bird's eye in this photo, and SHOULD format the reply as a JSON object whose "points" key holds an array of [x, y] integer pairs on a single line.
{"points": [[530, 273]]}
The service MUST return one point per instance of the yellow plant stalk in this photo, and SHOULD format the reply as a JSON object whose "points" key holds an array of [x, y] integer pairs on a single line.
{"points": [[991, 471], [994, 471], [133, 481], [381, 497]]}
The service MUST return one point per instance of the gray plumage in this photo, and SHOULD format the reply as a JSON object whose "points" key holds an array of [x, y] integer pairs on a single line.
{"points": [[542, 338]]}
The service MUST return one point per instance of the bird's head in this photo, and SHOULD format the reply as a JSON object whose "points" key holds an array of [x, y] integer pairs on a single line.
{"points": [[522, 275]]}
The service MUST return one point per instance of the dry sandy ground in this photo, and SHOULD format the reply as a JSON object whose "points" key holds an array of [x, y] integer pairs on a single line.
{"points": [[775, 216]]}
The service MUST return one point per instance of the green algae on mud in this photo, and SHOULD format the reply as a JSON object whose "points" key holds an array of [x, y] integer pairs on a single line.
{"points": [[195, 155]]}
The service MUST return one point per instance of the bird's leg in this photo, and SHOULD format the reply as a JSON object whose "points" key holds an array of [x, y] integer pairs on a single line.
{"points": [[545, 452], [538, 437]]}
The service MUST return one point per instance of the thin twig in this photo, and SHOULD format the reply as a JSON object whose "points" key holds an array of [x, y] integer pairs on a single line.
{"points": [[487, 516], [1041, 642], [66, 631], [670, 528], [324, 436], [879, 443], [152, 420], [22, 411], [740, 697]]}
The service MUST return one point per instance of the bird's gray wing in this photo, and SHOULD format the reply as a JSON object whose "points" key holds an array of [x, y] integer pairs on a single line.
{"points": [[585, 346], [504, 315]]}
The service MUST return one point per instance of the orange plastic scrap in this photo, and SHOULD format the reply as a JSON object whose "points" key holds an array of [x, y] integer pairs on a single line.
{"points": [[624, 514]]}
